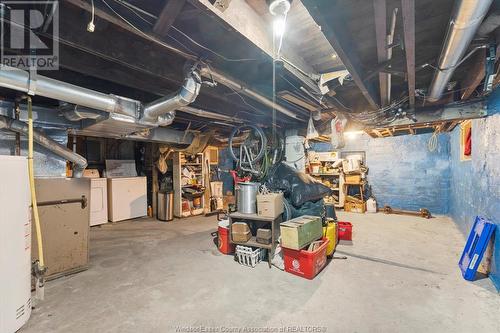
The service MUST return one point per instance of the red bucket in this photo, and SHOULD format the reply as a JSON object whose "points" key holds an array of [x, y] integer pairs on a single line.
{"points": [[304, 263], [224, 245]]}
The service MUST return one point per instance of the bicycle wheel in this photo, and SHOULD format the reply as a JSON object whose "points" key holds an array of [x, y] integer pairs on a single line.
{"points": [[254, 143]]}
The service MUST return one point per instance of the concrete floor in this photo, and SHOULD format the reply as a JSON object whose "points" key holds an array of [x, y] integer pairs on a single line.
{"points": [[401, 275]]}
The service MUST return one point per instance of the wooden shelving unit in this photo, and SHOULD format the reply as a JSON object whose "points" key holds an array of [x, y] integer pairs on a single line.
{"points": [[200, 170], [258, 221], [334, 179]]}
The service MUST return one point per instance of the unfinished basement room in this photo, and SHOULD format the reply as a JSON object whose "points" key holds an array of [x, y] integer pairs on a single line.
{"points": [[250, 166]]}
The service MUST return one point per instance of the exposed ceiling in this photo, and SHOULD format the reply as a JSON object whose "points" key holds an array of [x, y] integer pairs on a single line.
{"points": [[139, 50]]}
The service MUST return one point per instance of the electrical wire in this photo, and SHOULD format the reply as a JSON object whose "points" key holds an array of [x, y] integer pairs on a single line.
{"points": [[151, 38], [137, 11], [91, 25], [176, 29], [212, 51], [234, 91]]}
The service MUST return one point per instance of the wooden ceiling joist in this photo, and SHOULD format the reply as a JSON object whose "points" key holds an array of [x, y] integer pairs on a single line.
{"points": [[334, 30], [476, 75], [167, 16], [380, 10], [408, 12]]}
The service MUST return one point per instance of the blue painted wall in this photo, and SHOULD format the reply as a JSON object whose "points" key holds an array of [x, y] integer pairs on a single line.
{"points": [[475, 184], [403, 173]]}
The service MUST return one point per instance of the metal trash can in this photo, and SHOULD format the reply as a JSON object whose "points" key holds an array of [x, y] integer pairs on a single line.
{"points": [[165, 206]]}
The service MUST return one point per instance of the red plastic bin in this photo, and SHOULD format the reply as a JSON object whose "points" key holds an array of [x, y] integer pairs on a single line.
{"points": [[345, 231], [304, 263], [225, 246]]}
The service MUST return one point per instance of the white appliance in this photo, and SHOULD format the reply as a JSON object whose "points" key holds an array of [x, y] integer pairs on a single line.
{"points": [[127, 198], [98, 201], [15, 244], [295, 153]]}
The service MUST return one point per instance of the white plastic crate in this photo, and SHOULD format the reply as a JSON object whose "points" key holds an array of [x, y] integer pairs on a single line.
{"points": [[247, 256]]}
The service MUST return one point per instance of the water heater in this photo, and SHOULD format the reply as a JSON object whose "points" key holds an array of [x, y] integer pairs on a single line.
{"points": [[15, 243]]}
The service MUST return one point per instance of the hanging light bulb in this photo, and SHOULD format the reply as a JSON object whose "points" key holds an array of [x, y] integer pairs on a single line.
{"points": [[279, 25], [279, 9]]}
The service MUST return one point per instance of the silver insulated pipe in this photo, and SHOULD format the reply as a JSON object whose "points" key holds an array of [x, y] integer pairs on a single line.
{"points": [[163, 109], [79, 162], [466, 18], [20, 80], [156, 113]]}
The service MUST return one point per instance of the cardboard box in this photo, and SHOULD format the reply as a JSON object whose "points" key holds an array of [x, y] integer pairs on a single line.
{"points": [[354, 207], [239, 227], [264, 236], [216, 189], [241, 237], [300, 231], [352, 179], [270, 205], [351, 166]]}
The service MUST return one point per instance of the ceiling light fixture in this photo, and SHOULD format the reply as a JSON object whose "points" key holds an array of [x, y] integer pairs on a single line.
{"points": [[279, 9], [351, 135]]}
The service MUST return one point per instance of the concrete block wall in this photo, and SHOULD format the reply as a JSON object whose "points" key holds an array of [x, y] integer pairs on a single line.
{"points": [[403, 173], [475, 184]]}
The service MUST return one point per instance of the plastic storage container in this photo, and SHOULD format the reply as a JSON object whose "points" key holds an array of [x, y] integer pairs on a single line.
{"points": [[247, 256], [304, 263], [371, 205], [330, 232], [345, 231]]}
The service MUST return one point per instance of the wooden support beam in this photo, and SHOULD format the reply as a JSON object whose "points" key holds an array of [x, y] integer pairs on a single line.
{"points": [[372, 134], [408, 12], [451, 125], [380, 10], [334, 30], [167, 16], [377, 132], [476, 75], [412, 130], [440, 114]]}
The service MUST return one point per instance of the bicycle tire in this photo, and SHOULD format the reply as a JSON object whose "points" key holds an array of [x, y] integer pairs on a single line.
{"points": [[263, 138]]}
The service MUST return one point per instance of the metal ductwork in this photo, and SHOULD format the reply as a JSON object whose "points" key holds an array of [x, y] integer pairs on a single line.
{"points": [[79, 162], [21, 80], [157, 113], [163, 109], [466, 18]]}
